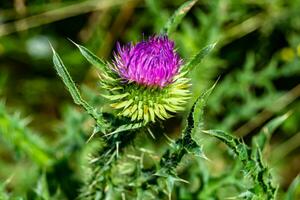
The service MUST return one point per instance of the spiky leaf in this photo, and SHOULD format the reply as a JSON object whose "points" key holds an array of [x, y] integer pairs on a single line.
{"points": [[294, 190], [177, 17], [69, 83], [266, 132], [91, 57], [14, 132], [252, 162], [196, 60]]}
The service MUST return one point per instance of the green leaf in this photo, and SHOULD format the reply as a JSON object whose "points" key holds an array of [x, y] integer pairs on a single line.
{"points": [[198, 111], [231, 141], [127, 127], [170, 185], [294, 190], [3, 193], [15, 133], [91, 58], [252, 164], [41, 189], [264, 135], [187, 144], [195, 123], [195, 61], [177, 17], [69, 83]]}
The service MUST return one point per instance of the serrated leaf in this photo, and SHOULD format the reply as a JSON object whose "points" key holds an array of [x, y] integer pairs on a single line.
{"points": [[226, 138], [199, 108], [65, 76], [186, 144], [252, 161], [194, 123], [91, 57], [196, 60], [196, 150], [195, 117], [69, 83], [264, 135], [177, 17]]}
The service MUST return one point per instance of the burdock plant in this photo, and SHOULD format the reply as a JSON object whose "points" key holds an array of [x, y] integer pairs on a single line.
{"points": [[146, 83]]}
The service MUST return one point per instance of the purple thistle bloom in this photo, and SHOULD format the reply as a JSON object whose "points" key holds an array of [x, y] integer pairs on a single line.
{"points": [[152, 63]]}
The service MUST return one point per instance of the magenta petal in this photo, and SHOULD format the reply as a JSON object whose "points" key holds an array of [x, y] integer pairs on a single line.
{"points": [[152, 63]]}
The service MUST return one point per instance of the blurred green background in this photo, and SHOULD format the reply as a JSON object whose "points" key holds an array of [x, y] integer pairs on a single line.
{"points": [[257, 61]]}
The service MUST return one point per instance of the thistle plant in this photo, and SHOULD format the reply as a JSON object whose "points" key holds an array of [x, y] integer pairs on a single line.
{"points": [[150, 136], [145, 83]]}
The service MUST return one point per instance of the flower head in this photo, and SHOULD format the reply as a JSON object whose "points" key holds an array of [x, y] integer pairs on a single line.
{"points": [[151, 63], [145, 81]]}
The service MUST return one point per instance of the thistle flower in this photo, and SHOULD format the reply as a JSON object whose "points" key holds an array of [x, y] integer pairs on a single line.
{"points": [[150, 63], [145, 81]]}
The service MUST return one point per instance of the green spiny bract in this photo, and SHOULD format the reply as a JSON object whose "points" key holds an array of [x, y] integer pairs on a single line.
{"points": [[147, 104]]}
